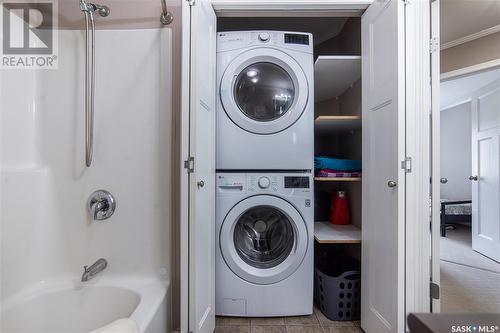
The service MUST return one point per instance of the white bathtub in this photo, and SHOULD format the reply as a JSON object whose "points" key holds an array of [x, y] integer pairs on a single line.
{"points": [[67, 306]]}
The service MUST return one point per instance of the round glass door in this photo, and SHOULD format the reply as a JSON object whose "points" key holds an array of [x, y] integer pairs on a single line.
{"points": [[264, 91], [263, 239]]}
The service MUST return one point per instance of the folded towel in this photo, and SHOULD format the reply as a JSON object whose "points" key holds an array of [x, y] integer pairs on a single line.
{"points": [[124, 325], [337, 174], [322, 162]]}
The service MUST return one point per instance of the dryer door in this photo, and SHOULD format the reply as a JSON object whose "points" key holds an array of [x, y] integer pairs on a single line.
{"points": [[264, 91], [263, 239]]}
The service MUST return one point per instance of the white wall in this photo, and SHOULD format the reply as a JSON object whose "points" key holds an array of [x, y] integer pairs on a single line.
{"points": [[459, 90], [456, 154], [46, 231]]}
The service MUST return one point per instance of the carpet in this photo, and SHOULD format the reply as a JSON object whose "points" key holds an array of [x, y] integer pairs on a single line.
{"points": [[456, 248], [472, 290]]}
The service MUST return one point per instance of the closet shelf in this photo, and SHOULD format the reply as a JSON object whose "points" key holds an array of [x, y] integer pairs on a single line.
{"points": [[336, 124], [333, 75], [339, 179], [326, 232]]}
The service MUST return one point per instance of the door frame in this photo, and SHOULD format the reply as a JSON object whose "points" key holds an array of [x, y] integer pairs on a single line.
{"points": [[303, 8], [184, 188], [417, 236], [435, 156]]}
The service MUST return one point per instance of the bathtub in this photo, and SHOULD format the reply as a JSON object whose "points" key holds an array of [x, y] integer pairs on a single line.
{"points": [[72, 306]]}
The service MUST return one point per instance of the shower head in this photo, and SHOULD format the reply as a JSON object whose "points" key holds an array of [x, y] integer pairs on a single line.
{"points": [[101, 9]]}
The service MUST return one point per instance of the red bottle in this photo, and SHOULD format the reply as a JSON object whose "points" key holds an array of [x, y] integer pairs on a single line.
{"points": [[340, 209]]}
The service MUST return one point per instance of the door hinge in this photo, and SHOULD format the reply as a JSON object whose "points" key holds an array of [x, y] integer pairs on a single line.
{"points": [[191, 2], [434, 44], [406, 165], [189, 164], [434, 290]]}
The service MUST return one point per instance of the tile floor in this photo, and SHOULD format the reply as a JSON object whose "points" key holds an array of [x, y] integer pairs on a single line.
{"points": [[315, 323]]}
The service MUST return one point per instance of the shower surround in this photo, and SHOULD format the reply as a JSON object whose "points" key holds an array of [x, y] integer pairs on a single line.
{"points": [[47, 233]]}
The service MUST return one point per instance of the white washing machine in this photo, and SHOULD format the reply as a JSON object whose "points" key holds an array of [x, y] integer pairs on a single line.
{"points": [[264, 244], [265, 109]]}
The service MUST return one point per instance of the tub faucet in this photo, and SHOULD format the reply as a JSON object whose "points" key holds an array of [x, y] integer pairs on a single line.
{"points": [[90, 272]]}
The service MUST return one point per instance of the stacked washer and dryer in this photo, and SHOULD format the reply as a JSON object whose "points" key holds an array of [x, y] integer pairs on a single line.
{"points": [[265, 151]]}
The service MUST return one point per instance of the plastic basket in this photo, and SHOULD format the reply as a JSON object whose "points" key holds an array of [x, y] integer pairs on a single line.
{"points": [[339, 298]]}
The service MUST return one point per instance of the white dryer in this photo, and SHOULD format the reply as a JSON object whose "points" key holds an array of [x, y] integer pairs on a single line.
{"points": [[265, 109], [264, 244]]}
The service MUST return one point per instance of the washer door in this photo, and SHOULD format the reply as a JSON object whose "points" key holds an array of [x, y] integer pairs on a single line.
{"points": [[263, 239], [264, 91]]}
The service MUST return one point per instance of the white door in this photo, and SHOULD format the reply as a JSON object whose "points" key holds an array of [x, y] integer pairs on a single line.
{"points": [[383, 86], [486, 171], [435, 159], [199, 68]]}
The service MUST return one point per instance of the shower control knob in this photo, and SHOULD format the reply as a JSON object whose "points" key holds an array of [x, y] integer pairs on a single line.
{"points": [[101, 205], [264, 182], [264, 37]]}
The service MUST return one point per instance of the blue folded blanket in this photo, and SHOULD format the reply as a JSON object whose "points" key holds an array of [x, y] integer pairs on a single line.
{"points": [[322, 162]]}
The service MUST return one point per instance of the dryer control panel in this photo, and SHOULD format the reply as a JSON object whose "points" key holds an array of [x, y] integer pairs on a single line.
{"points": [[233, 40], [278, 183], [297, 39]]}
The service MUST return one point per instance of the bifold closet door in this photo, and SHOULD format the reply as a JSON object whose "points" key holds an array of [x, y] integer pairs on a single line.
{"points": [[383, 179], [198, 262]]}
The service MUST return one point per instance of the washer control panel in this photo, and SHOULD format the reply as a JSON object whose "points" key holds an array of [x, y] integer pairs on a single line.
{"points": [[297, 182], [282, 183], [263, 182], [229, 182], [233, 40]]}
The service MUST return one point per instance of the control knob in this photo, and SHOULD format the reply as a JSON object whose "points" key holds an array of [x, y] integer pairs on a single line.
{"points": [[264, 37], [264, 182]]}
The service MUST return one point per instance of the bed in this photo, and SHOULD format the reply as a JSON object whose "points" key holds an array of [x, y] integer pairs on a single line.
{"points": [[453, 212]]}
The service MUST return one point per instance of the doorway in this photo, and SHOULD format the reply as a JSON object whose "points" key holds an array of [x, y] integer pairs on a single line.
{"points": [[469, 218]]}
